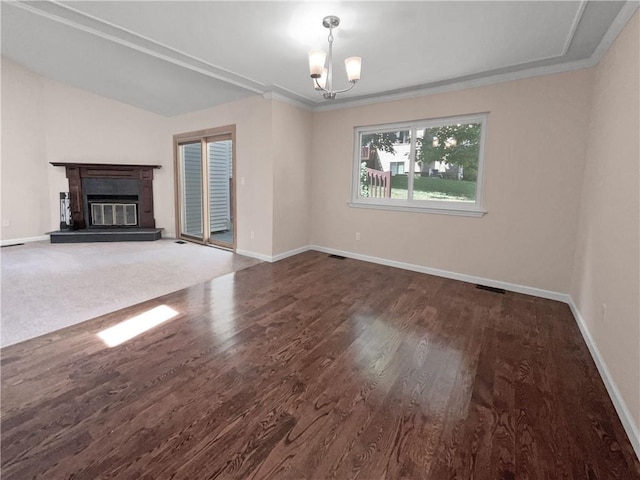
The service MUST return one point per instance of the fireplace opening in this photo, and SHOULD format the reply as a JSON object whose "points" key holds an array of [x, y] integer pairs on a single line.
{"points": [[113, 211], [114, 215]]}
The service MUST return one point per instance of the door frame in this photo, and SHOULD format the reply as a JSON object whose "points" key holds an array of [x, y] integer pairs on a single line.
{"points": [[204, 136]]}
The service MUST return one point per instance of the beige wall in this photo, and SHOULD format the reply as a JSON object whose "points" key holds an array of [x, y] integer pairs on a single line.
{"points": [[291, 154], [85, 128], [254, 164], [607, 259], [272, 141], [44, 121], [535, 127], [24, 177], [534, 157]]}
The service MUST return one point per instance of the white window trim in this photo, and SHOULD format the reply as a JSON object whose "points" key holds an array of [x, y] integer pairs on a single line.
{"points": [[422, 206]]}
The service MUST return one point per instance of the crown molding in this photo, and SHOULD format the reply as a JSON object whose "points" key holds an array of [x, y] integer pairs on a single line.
{"points": [[574, 27], [281, 94], [623, 17], [71, 17], [461, 85]]}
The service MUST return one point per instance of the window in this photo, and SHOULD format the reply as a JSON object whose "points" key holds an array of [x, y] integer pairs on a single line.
{"points": [[397, 168], [428, 165]]}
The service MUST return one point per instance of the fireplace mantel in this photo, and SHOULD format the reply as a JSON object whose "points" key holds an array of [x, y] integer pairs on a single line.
{"points": [[78, 171], [110, 166]]}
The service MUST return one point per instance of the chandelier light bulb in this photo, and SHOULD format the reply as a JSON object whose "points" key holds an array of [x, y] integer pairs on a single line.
{"points": [[316, 62], [353, 66]]}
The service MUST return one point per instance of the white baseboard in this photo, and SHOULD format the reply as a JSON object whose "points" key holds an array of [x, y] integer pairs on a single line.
{"points": [[290, 253], [512, 287], [273, 258], [633, 432], [259, 256], [16, 241]]}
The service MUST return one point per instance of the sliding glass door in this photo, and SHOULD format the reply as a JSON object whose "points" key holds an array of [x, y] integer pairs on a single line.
{"points": [[220, 177], [205, 187], [191, 224]]}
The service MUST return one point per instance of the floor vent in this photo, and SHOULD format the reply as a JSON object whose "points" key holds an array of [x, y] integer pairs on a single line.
{"points": [[181, 242], [13, 245], [339, 257], [491, 289]]}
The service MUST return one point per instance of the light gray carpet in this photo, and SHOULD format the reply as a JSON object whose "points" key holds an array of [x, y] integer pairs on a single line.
{"points": [[47, 286]]}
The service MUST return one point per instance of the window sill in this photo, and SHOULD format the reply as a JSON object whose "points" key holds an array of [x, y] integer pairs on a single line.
{"points": [[443, 210]]}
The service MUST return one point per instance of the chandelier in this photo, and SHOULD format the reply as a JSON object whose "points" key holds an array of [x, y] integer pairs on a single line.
{"points": [[323, 76]]}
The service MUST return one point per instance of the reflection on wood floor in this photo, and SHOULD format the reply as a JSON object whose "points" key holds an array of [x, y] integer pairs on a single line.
{"points": [[314, 367]]}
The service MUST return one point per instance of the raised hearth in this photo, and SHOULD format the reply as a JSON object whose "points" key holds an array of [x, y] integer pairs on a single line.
{"points": [[106, 235]]}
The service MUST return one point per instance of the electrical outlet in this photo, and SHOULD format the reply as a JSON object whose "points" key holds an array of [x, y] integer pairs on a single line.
{"points": [[252, 235], [603, 312], [6, 223], [241, 180], [357, 235]]}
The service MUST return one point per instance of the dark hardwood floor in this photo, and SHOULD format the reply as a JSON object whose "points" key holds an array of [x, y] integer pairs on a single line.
{"points": [[315, 367]]}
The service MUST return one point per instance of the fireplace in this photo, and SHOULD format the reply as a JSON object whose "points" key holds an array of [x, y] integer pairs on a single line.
{"points": [[107, 200]]}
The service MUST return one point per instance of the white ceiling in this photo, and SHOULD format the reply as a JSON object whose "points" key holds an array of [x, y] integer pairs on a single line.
{"points": [[177, 57]]}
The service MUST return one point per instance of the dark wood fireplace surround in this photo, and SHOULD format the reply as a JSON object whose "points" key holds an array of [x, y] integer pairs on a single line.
{"points": [[76, 172]]}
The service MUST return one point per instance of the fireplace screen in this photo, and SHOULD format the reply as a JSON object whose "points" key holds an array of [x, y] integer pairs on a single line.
{"points": [[114, 214]]}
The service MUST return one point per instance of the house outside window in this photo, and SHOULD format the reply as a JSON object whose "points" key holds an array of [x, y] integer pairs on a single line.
{"points": [[433, 166]]}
